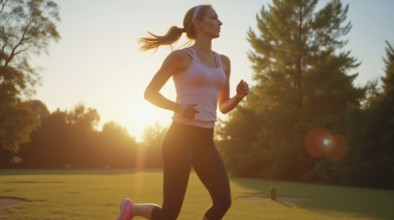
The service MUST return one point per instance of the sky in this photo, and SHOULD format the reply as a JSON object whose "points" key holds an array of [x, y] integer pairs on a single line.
{"points": [[98, 63]]}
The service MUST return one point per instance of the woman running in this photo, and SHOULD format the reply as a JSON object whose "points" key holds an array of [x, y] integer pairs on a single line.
{"points": [[201, 78]]}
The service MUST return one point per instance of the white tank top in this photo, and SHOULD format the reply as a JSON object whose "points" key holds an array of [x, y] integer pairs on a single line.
{"points": [[199, 84]]}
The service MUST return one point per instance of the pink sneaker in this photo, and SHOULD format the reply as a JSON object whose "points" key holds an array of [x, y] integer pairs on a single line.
{"points": [[125, 212]]}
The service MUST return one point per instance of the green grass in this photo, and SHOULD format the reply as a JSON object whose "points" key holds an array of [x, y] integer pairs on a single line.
{"points": [[85, 195]]}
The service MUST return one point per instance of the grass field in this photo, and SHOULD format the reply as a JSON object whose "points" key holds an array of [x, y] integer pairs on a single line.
{"points": [[86, 194]]}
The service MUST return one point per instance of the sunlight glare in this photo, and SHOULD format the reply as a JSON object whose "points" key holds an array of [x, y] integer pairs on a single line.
{"points": [[143, 114]]}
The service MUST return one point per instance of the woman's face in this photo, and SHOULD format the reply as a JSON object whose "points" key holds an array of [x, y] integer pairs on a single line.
{"points": [[210, 25]]}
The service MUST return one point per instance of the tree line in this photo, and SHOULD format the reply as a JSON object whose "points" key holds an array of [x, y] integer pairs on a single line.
{"points": [[69, 139], [304, 119], [29, 133]]}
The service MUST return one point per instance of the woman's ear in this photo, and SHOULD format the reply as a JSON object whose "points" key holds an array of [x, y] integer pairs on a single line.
{"points": [[197, 24]]}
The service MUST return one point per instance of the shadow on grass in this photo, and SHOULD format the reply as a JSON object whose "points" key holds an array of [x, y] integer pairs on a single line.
{"points": [[16, 172], [371, 203]]}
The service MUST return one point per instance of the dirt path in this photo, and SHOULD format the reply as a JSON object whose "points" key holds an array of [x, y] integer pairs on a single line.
{"points": [[6, 202]]}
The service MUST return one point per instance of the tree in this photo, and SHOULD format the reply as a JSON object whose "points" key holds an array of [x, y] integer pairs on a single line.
{"points": [[26, 27], [84, 118], [50, 143], [70, 139], [116, 149], [80, 137], [17, 122], [385, 113], [302, 82], [149, 153], [370, 161], [39, 108], [388, 78], [64, 138], [235, 138], [373, 135]]}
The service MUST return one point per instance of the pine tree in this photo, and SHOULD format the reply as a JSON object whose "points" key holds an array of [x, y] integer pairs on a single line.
{"points": [[302, 82], [381, 128], [370, 162], [388, 79]]}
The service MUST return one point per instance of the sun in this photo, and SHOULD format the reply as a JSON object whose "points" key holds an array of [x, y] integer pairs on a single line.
{"points": [[144, 114]]}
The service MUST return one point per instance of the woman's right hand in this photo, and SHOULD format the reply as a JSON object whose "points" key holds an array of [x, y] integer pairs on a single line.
{"points": [[188, 111]]}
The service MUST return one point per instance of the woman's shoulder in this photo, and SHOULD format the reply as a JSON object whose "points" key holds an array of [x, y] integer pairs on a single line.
{"points": [[178, 59], [225, 61], [178, 55], [224, 58]]}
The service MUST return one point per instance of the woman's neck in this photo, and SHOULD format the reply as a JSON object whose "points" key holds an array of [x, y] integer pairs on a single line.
{"points": [[203, 46]]}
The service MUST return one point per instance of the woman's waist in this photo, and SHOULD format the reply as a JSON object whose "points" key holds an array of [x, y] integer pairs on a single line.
{"points": [[198, 122]]}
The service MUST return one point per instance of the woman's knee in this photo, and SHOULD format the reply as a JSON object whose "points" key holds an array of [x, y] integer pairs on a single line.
{"points": [[218, 210], [225, 205], [224, 201]]}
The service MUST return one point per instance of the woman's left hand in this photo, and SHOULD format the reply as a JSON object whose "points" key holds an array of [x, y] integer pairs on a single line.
{"points": [[242, 89]]}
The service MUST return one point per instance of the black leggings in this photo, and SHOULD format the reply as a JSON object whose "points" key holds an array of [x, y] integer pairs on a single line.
{"points": [[185, 147]]}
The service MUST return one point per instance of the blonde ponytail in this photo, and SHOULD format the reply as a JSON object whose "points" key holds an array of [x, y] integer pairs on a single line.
{"points": [[173, 35]]}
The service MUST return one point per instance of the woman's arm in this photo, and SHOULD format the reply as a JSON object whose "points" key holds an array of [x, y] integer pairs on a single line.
{"points": [[175, 63], [226, 104]]}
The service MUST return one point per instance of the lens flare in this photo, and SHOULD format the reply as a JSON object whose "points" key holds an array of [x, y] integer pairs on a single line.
{"points": [[138, 177], [320, 142], [339, 150], [316, 142]]}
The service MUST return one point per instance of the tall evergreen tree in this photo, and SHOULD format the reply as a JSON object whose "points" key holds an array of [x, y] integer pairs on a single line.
{"points": [[381, 128], [386, 112], [302, 82], [388, 78], [371, 134]]}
